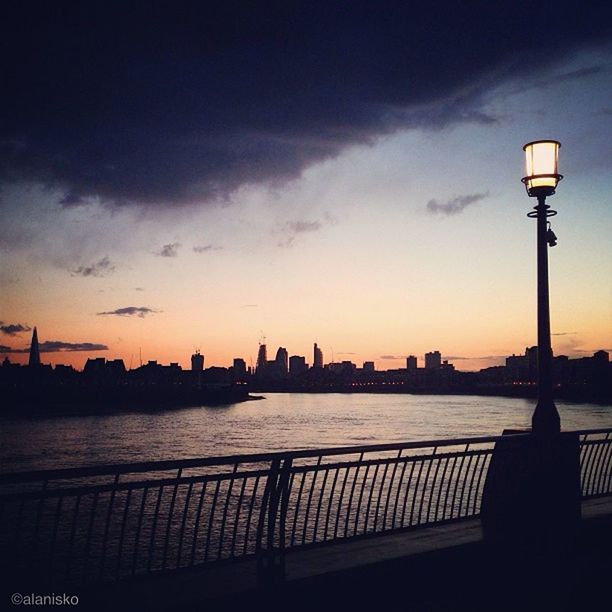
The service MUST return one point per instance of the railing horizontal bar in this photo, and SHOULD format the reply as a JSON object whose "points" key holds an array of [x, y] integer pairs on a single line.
{"points": [[389, 460], [596, 442], [128, 486]]}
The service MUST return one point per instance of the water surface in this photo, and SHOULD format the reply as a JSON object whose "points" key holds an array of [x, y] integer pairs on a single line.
{"points": [[282, 421]]}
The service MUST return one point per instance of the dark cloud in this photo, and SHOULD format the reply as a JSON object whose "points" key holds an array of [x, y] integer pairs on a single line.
{"points": [[484, 358], [293, 228], [392, 357], [564, 334], [169, 250], [99, 268], [555, 79], [184, 102], [205, 248], [455, 205], [57, 346], [130, 311], [12, 329]]}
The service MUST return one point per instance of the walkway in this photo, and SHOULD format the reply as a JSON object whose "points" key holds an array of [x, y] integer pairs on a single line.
{"points": [[445, 567]]}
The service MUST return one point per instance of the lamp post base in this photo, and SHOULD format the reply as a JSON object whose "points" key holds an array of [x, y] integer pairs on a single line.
{"points": [[545, 419]]}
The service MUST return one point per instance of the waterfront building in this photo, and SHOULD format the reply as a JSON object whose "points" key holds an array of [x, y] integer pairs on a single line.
{"points": [[433, 360], [197, 367], [282, 360], [317, 361], [368, 366], [239, 370], [411, 363], [297, 365], [262, 358], [197, 362]]}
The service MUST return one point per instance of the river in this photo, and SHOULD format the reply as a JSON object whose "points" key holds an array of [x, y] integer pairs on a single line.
{"points": [[281, 421]]}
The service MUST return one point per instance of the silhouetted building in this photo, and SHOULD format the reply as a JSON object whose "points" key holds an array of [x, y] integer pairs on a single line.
{"points": [[282, 360], [532, 362], [197, 362], [216, 376], [297, 365], [262, 358], [317, 361], [345, 368], [197, 367], [368, 366], [411, 363], [94, 366], [433, 360], [239, 370], [34, 350]]}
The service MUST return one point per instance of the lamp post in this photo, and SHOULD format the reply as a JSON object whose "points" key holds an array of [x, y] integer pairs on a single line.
{"points": [[541, 159]]}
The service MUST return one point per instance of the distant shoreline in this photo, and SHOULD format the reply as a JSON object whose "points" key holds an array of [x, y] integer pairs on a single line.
{"points": [[115, 406]]}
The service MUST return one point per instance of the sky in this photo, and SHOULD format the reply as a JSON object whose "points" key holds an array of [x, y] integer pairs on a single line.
{"points": [[181, 176]]}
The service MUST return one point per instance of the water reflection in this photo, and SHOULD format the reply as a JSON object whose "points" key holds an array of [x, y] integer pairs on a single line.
{"points": [[281, 421]]}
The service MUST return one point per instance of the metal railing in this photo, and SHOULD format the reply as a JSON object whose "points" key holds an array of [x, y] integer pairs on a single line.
{"points": [[107, 522]]}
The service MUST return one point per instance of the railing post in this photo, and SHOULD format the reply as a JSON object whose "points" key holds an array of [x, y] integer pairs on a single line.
{"points": [[271, 559]]}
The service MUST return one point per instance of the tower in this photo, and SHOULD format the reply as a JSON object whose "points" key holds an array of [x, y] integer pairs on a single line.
{"points": [[282, 360], [34, 350], [262, 357], [317, 357]]}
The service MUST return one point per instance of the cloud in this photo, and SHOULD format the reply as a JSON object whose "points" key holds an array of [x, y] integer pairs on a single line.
{"points": [[188, 102], [57, 346], [250, 305], [12, 329], [99, 268], [555, 79], [206, 247], [169, 250], [130, 311], [293, 228], [564, 334], [392, 357], [484, 358], [455, 205]]}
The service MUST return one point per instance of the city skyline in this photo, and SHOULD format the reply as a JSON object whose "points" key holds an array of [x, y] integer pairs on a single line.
{"points": [[371, 202], [430, 359]]}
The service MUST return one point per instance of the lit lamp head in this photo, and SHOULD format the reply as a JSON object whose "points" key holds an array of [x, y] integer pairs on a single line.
{"points": [[541, 164]]}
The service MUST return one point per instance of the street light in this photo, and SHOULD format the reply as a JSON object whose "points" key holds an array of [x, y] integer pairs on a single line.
{"points": [[542, 177]]}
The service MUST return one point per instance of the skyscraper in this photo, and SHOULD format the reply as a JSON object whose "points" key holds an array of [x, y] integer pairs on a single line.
{"points": [[282, 360], [317, 361], [197, 362], [34, 350], [411, 363], [262, 358]]}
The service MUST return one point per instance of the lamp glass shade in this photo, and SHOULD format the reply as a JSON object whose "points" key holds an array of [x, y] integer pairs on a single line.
{"points": [[541, 165]]}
